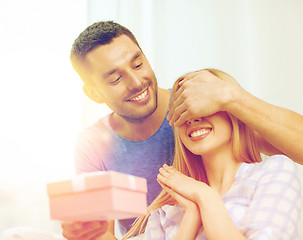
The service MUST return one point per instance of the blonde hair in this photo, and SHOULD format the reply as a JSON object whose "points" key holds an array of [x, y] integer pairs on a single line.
{"points": [[245, 149]]}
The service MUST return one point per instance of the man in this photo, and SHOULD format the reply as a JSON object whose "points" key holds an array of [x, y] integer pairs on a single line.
{"points": [[136, 138]]}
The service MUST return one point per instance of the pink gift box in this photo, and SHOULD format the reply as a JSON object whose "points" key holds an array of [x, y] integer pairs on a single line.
{"points": [[98, 196]]}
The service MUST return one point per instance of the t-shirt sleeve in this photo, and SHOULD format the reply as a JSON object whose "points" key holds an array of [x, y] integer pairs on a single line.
{"points": [[91, 150], [275, 207]]}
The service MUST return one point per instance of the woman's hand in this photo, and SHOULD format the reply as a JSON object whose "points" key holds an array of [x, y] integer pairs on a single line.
{"points": [[182, 184], [213, 213], [187, 204]]}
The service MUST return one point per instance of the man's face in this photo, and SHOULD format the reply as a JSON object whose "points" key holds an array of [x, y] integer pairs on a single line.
{"points": [[121, 76]]}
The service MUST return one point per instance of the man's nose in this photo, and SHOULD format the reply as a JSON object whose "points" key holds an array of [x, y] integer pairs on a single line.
{"points": [[133, 80]]}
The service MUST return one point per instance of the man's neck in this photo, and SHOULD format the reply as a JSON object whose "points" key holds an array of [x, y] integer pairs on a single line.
{"points": [[140, 130]]}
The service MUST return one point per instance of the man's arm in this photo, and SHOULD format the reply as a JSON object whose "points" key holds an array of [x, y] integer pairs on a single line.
{"points": [[110, 233], [279, 127], [202, 94], [94, 230]]}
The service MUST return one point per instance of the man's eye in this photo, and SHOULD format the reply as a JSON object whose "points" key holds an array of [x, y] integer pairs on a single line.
{"points": [[116, 80], [138, 66]]}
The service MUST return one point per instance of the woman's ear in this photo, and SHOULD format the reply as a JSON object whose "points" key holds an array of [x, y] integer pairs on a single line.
{"points": [[92, 94]]}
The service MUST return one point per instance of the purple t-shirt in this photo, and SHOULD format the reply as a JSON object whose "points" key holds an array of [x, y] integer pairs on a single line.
{"points": [[99, 148]]}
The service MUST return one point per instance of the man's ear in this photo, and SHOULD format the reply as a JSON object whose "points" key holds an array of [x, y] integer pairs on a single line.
{"points": [[92, 94]]}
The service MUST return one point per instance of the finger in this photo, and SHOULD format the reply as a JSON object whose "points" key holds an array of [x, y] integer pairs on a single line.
{"points": [[174, 115], [71, 225], [170, 169], [87, 228], [163, 172], [177, 98], [185, 116], [182, 102], [192, 75], [179, 110], [161, 179], [179, 198], [181, 115], [166, 167], [183, 80], [180, 90], [93, 235], [175, 101], [94, 226], [167, 171], [163, 185]]}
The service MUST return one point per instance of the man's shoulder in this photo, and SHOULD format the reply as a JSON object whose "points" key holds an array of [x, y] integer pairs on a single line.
{"points": [[166, 93], [98, 130], [102, 123]]}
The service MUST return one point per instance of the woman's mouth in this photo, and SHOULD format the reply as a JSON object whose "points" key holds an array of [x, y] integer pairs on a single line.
{"points": [[199, 133]]}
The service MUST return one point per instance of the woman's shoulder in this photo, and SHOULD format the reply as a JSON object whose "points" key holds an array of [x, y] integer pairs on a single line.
{"points": [[273, 164], [278, 162], [276, 168]]}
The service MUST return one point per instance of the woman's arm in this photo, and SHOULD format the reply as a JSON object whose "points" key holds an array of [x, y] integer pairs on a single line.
{"points": [[216, 221], [189, 226], [191, 221]]}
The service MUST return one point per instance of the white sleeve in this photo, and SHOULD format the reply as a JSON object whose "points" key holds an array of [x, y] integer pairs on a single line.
{"points": [[275, 206], [162, 224]]}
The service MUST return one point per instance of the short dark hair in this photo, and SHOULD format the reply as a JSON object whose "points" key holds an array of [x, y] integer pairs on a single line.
{"points": [[99, 33]]}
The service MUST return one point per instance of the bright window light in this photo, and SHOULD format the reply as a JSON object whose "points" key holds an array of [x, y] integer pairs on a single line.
{"points": [[41, 104]]}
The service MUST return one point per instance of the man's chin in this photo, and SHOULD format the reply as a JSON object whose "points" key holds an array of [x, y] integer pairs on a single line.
{"points": [[139, 117]]}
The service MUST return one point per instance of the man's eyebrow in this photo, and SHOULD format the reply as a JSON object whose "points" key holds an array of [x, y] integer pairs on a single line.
{"points": [[107, 74], [138, 54]]}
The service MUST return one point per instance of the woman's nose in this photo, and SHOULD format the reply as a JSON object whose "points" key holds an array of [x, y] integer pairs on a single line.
{"points": [[193, 120]]}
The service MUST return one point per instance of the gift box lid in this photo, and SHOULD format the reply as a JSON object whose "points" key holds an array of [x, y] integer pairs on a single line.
{"points": [[97, 180]]}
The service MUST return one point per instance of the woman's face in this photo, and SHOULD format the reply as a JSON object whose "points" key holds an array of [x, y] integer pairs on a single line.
{"points": [[208, 135]]}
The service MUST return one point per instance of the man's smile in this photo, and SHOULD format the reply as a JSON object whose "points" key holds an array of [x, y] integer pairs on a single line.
{"points": [[141, 97]]}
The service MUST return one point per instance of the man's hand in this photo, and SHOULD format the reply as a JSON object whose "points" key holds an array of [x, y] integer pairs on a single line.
{"points": [[200, 94], [84, 230]]}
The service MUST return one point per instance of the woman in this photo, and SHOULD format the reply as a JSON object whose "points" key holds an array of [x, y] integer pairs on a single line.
{"points": [[219, 187]]}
